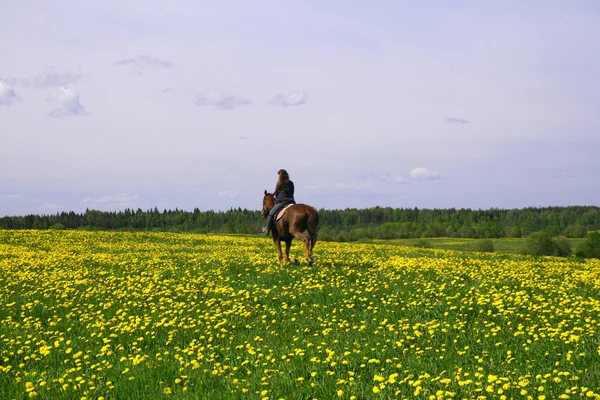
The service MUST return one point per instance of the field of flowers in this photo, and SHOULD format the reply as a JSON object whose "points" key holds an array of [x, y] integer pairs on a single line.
{"points": [[109, 315]]}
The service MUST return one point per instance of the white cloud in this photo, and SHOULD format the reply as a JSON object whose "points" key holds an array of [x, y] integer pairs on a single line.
{"points": [[374, 176], [139, 74], [9, 80], [291, 99], [311, 187], [424, 174], [220, 100], [9, 197], [453, 120], [563, 175], [118, 201], [228, 194], [50, 79], [7, 94], [52, 208], [67, 100], [145, 62], [351, 186]]}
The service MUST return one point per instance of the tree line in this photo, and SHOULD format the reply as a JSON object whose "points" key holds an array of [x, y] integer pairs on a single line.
{"points": [[340, 225]]}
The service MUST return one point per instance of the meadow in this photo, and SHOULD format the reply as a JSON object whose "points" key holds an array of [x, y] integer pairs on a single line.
{"points": [[119, 315], [501, 245]]}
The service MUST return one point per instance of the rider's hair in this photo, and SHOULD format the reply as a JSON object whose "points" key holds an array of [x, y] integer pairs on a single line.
{"points": [[282, 181]]}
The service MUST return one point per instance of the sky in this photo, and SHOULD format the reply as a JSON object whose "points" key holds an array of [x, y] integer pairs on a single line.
{"points": [[198, 103]]}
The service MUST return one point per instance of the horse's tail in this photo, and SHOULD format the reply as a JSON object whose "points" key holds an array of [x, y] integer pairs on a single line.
{"points": [[313, 222]]}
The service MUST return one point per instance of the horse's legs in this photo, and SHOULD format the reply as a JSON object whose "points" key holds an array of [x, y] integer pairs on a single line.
{"points": [[304, 239], [313, 241], [312, 246], [288, 244], [279, 255]]}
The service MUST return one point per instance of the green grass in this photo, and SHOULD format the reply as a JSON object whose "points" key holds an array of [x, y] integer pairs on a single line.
{"points": [[126, 315], [502, 245]]}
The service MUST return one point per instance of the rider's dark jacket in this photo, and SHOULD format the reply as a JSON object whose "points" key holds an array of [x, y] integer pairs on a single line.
{"points": [[285, 194]]}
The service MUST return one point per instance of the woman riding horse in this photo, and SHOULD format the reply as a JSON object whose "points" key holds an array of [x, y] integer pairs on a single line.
{"points": [[284, 195], [297, 219]]}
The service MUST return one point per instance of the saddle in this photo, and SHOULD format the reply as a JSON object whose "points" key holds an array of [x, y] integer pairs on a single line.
{"points": [[282, 211]]}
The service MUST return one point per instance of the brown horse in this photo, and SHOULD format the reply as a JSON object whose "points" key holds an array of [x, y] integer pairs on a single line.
{"points": [[297, 219]]}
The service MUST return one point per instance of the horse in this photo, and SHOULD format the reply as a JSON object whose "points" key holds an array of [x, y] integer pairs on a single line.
{"points": [[296, 219]]}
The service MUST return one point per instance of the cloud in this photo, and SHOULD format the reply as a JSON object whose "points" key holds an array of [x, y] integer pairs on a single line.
{"points": [[51, 207], [374, 176], [169, 91], [350, 186], [50, 79], [423, 174], [375, 179], [228, 194], [9, 80], [563, 175], [110, 199], [453, 120], [118, 201], [291, 99], [401, 179], [7, 94], [9, 197], [68, 103], [220, 100], [145, 62]]}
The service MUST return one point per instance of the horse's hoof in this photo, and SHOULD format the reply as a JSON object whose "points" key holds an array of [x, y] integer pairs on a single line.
{"points": [[311, 261], [295, 262]]}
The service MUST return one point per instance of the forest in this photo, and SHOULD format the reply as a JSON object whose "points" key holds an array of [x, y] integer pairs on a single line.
{"points": [[337, 225]]}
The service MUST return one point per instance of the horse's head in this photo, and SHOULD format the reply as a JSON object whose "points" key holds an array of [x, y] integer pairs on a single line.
{"points": [[268, 203]]}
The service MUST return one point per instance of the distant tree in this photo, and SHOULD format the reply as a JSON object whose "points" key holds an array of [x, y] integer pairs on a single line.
{"points": [[389, 230], [563, 247], [541, 244], [591, 219], [514, 231], [575, 231], [466, 231], [357, 234], [590, 247], [348, 224], [484, 246], [424, 244], [553, 230], [428, 233]]}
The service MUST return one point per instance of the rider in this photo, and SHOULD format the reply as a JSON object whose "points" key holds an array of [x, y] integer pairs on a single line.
{"points": [[284, 195]]}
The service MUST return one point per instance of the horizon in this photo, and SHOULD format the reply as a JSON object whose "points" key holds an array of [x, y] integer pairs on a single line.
{"points": [[149, 104], [235, 209]]}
